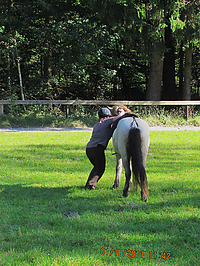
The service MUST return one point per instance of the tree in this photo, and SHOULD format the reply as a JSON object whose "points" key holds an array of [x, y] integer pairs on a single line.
{"points": [[155, 78], [191, 7], [169, 84], [155, 20], [185, 23], [113, 49]]}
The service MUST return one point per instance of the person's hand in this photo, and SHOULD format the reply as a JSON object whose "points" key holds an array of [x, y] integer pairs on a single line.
{"points": [[121, 112]]}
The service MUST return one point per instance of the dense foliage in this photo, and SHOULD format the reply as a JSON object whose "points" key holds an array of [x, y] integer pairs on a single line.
{"points": [[113, 49]]}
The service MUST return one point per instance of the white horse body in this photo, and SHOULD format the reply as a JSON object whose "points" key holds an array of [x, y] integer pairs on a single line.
{"points": [[120, 141], [120, 136]]}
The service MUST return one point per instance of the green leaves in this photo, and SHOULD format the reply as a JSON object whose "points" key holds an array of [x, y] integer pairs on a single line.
{"points": [[2, 29], [97, 37], [177, 24]]}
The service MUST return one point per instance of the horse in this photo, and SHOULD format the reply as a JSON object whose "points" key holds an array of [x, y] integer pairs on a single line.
{"points": [[131, 142]]}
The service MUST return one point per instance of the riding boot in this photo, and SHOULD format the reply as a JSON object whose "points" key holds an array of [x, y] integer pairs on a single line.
{"points": [[92, 183]]}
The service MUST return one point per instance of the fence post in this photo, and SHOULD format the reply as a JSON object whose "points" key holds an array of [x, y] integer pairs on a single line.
{"points": [[1, 109], [187, 110], [67, 111]]}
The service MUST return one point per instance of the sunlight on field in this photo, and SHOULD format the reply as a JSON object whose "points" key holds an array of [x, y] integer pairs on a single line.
{"points": [[42, 177]]}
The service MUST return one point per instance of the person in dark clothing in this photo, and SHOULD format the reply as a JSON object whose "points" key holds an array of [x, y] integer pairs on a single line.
{"points": [[95, 149]]}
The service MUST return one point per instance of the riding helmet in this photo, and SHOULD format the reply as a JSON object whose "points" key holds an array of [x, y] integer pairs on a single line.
{"points": [[104, 112]]}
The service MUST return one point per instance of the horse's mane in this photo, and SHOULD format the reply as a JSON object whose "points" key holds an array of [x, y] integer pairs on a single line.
{"points": [[115, 108]]}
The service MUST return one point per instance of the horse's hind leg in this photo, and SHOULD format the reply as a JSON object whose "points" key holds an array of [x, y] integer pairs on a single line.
{"points": [[144, 197], [128, 177], [118, 171], [144, 185], [143, 178]]}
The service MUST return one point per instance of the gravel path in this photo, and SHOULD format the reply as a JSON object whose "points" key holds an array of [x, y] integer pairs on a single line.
{"points": [[45, 129], [75, 129]]}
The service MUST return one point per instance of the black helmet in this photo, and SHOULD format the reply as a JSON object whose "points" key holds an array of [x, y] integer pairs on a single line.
{"points": [[103, 112]]}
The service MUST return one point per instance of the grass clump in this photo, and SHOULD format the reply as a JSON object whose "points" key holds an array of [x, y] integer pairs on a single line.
{"points": [[42, 116], [42, 177], [161, 116]]}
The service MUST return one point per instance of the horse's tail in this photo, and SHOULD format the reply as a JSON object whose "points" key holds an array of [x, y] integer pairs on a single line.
{"points": [[134, 152]]}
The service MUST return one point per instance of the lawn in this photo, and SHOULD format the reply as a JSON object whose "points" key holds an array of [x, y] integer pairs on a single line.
{"points": [[42, 177]]}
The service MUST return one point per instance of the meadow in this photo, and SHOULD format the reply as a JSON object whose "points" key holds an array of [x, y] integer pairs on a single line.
{"points": [[42, 176]]}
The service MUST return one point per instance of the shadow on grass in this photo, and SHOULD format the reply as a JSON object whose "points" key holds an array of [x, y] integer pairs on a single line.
{"points": [[32, 219], [22, 203], [32, 216]]}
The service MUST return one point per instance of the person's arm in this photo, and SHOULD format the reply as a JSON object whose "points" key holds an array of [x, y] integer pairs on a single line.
{"points": [[118, 116]]}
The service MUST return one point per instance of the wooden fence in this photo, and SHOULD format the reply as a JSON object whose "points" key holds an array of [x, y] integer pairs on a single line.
{"points": [[100, 103]]}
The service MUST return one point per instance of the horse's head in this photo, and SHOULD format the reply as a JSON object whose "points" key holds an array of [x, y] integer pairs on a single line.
{"points": [[115, 110]]}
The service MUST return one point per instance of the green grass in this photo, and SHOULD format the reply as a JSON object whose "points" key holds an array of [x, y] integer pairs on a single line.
{"points": [[42, 177], [48, 119]]}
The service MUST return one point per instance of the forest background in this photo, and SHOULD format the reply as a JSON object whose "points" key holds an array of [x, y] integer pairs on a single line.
{"points": [[93, 49]]}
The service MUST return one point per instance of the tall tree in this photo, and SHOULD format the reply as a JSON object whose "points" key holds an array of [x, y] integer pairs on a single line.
{"points": [[185, 23], [96, 49], [155, 77], [156, 23], [169, 84]]}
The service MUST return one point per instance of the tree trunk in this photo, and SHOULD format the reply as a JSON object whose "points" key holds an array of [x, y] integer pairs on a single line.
{"points": [[9, 73], [169, 85], [155, 78], [19, 73], [47, 68], [47, 57], [20, 78], [187, 74], [180, 74], [7, 45]]}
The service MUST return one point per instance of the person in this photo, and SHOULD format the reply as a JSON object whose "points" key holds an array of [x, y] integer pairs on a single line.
{"points": [[95, 149]]}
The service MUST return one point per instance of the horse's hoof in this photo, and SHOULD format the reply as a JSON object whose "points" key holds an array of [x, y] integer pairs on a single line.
{"points": [[90, 187], [144, 198], [115, 186], [125, 195]]}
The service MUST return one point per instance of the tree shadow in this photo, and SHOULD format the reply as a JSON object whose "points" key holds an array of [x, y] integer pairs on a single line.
{"points": [[32, 217], [103, 221]]}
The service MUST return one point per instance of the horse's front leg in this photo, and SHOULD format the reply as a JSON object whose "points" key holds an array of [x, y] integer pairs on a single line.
{"points": [[126, 164], [118, 171]]}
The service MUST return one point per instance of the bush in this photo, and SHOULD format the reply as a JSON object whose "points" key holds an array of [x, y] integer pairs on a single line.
{"points": [[86, 116]]}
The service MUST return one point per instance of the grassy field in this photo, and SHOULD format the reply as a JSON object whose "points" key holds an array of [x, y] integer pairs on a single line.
{"points": [[42, 175]]}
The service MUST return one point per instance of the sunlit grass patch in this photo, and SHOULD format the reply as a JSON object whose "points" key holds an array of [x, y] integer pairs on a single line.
{"points": [[42, 177]]}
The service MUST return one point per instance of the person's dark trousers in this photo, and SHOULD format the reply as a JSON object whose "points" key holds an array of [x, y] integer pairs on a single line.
{"points": [[96, 156]]}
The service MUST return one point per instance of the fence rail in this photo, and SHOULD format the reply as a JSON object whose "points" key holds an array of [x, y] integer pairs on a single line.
{"points": [[99, 102]]}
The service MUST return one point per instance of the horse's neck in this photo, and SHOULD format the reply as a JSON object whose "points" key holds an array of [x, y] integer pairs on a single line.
{"points": [[126, 110]]}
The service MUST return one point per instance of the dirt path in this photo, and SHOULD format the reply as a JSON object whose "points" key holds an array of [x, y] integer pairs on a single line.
{"points": [[75, 129], [45, 129]]}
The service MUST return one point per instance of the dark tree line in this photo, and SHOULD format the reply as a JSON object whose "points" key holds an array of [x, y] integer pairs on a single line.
{"points": [[113, 49]]}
